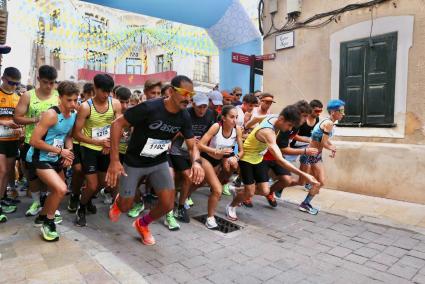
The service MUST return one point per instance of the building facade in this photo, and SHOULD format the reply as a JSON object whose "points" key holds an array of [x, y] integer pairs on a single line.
{"points": [[372, 58]]}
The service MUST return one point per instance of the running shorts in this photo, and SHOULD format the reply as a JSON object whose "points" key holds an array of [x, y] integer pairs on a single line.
{"points": [[76, 148], [213, 162], [277, 170], [310, 160], [9, 148], [159, 178], [93, 161], [180, 163], [251, 173]]}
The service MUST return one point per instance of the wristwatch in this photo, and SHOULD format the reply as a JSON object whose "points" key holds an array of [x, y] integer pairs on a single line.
{"points": [[199, 161]]}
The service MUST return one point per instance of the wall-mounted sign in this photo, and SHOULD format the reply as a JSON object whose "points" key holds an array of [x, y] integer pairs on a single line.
{"points": [[285, 40]]}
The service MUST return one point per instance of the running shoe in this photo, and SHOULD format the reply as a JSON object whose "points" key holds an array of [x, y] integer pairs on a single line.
{"points": [[134, 212], [39, 221], [271, 199], [80, 218], [145, 233], [181, 215], [231, 213], [307, 187], [226, 190], [12, 201], [114, 212], [190, 201], [211, 223], [278, 193], [48, 230], [73, 203], [308, 209], [107, 197], [237, 181], [3, 218], [313, 209], [91, 208], [171, 222], [248, 203], [7, 207], [58, 217]]}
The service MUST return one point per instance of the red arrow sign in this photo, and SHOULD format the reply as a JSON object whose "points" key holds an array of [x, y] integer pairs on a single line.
{"points": [[240, 58], [264, 57]]}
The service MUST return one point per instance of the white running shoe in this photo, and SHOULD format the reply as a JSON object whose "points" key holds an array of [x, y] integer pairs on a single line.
{"points": [[231, 213], [211, 223], [107, 197]]}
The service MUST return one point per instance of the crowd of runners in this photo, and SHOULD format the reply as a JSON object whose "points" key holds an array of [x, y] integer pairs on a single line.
{"points": [[163, 143]]}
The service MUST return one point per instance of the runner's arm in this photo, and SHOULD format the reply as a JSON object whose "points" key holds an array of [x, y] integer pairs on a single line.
{"points": [[21, 109], [302, 139], [303, 151], [117, 127], [269, 137], [239, 141], [206, 138], [116, 105], [326, 142], [254, 120]]}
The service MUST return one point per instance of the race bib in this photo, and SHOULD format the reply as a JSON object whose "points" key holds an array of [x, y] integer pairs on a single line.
{"points": [[155, 147], [58, 143], [6, 132], [100, 132]]}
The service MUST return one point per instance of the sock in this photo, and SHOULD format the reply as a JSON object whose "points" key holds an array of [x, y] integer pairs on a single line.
{"points": [[308, 199], [35, 196], [146, 220]]}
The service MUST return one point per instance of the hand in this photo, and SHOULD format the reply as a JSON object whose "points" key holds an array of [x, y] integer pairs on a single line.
{"points": [[196, 173], [332, 155], [11, 124], [115, 170], [18, 131], [311, 151], [225, 152], [311, 179], [106, 151], [66, 163], [67, 154]]}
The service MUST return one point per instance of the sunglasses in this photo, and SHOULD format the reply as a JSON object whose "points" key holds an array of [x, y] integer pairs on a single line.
{"points": [[318, 111], [342, 111], [238, 95], [12, 83], [184, 92]]}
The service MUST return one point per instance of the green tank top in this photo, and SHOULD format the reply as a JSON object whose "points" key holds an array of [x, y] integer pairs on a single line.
{"points": [[36, 107], [98, 125]]}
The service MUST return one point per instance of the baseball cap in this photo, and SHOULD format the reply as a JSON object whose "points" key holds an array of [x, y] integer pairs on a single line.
{"points": [[216, 97], [200, 99], [267, 97], [226, 95], [335, 104]]}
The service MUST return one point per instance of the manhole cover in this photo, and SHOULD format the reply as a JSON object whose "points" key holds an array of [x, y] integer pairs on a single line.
{"points": [[224, 225]]}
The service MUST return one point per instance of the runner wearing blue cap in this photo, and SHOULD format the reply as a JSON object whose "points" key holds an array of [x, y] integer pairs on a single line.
{"points": [[320, 138]]}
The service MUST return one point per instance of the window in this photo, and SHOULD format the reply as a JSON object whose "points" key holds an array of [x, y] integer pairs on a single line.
{"points": [[133, 66], [202, 69], [96, 60], [367, 81], [164, 63], [55, 58]]}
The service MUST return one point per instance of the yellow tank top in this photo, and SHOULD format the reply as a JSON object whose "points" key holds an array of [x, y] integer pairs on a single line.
{"points": [[98, 125], [253, 149], [8, 103]]}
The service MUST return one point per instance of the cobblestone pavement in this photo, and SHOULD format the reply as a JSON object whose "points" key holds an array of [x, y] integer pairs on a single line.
{"points": [[280, 245]]}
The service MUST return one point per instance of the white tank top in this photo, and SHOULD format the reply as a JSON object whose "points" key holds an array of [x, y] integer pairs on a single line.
{"points": [[221, 142]]}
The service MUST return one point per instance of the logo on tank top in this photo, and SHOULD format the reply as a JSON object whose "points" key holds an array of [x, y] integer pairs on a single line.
{"points": [[159, 124]]}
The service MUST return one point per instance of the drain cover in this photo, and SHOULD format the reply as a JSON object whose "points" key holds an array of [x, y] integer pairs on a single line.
{"points": [[224, 225]]}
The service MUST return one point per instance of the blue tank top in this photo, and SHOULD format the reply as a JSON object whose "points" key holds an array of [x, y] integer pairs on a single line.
{"points": [[317, 133], [55, 136]]}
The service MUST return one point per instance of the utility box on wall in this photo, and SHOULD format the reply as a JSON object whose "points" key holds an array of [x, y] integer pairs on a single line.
{"points": [[293, 6]]}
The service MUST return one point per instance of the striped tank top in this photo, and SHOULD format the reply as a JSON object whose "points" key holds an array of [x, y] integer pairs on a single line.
{"points": [[98, 125], [36, 107], [253, 149]]}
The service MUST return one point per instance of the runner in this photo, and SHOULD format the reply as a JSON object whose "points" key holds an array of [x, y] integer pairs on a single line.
{"points": [[320, 139], [152, 89], [217, 146], [166, 91], [155, 123], [28, 111], [77, 179], [237, 94], [92, 129], [303, 138], [9, 136], [134, 100], [283, 176], [202, 119], [216, 102], [253, 169], [51, 152]]}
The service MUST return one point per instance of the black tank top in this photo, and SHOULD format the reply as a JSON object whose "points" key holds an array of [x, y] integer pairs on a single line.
{"points": [[305, 130]]}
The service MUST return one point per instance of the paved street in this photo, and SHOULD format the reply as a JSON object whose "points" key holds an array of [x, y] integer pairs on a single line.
{"points": [[279, 245]]}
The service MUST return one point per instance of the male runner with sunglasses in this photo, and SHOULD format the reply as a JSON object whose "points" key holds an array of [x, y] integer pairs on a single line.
{"points": [[155, 124]]}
